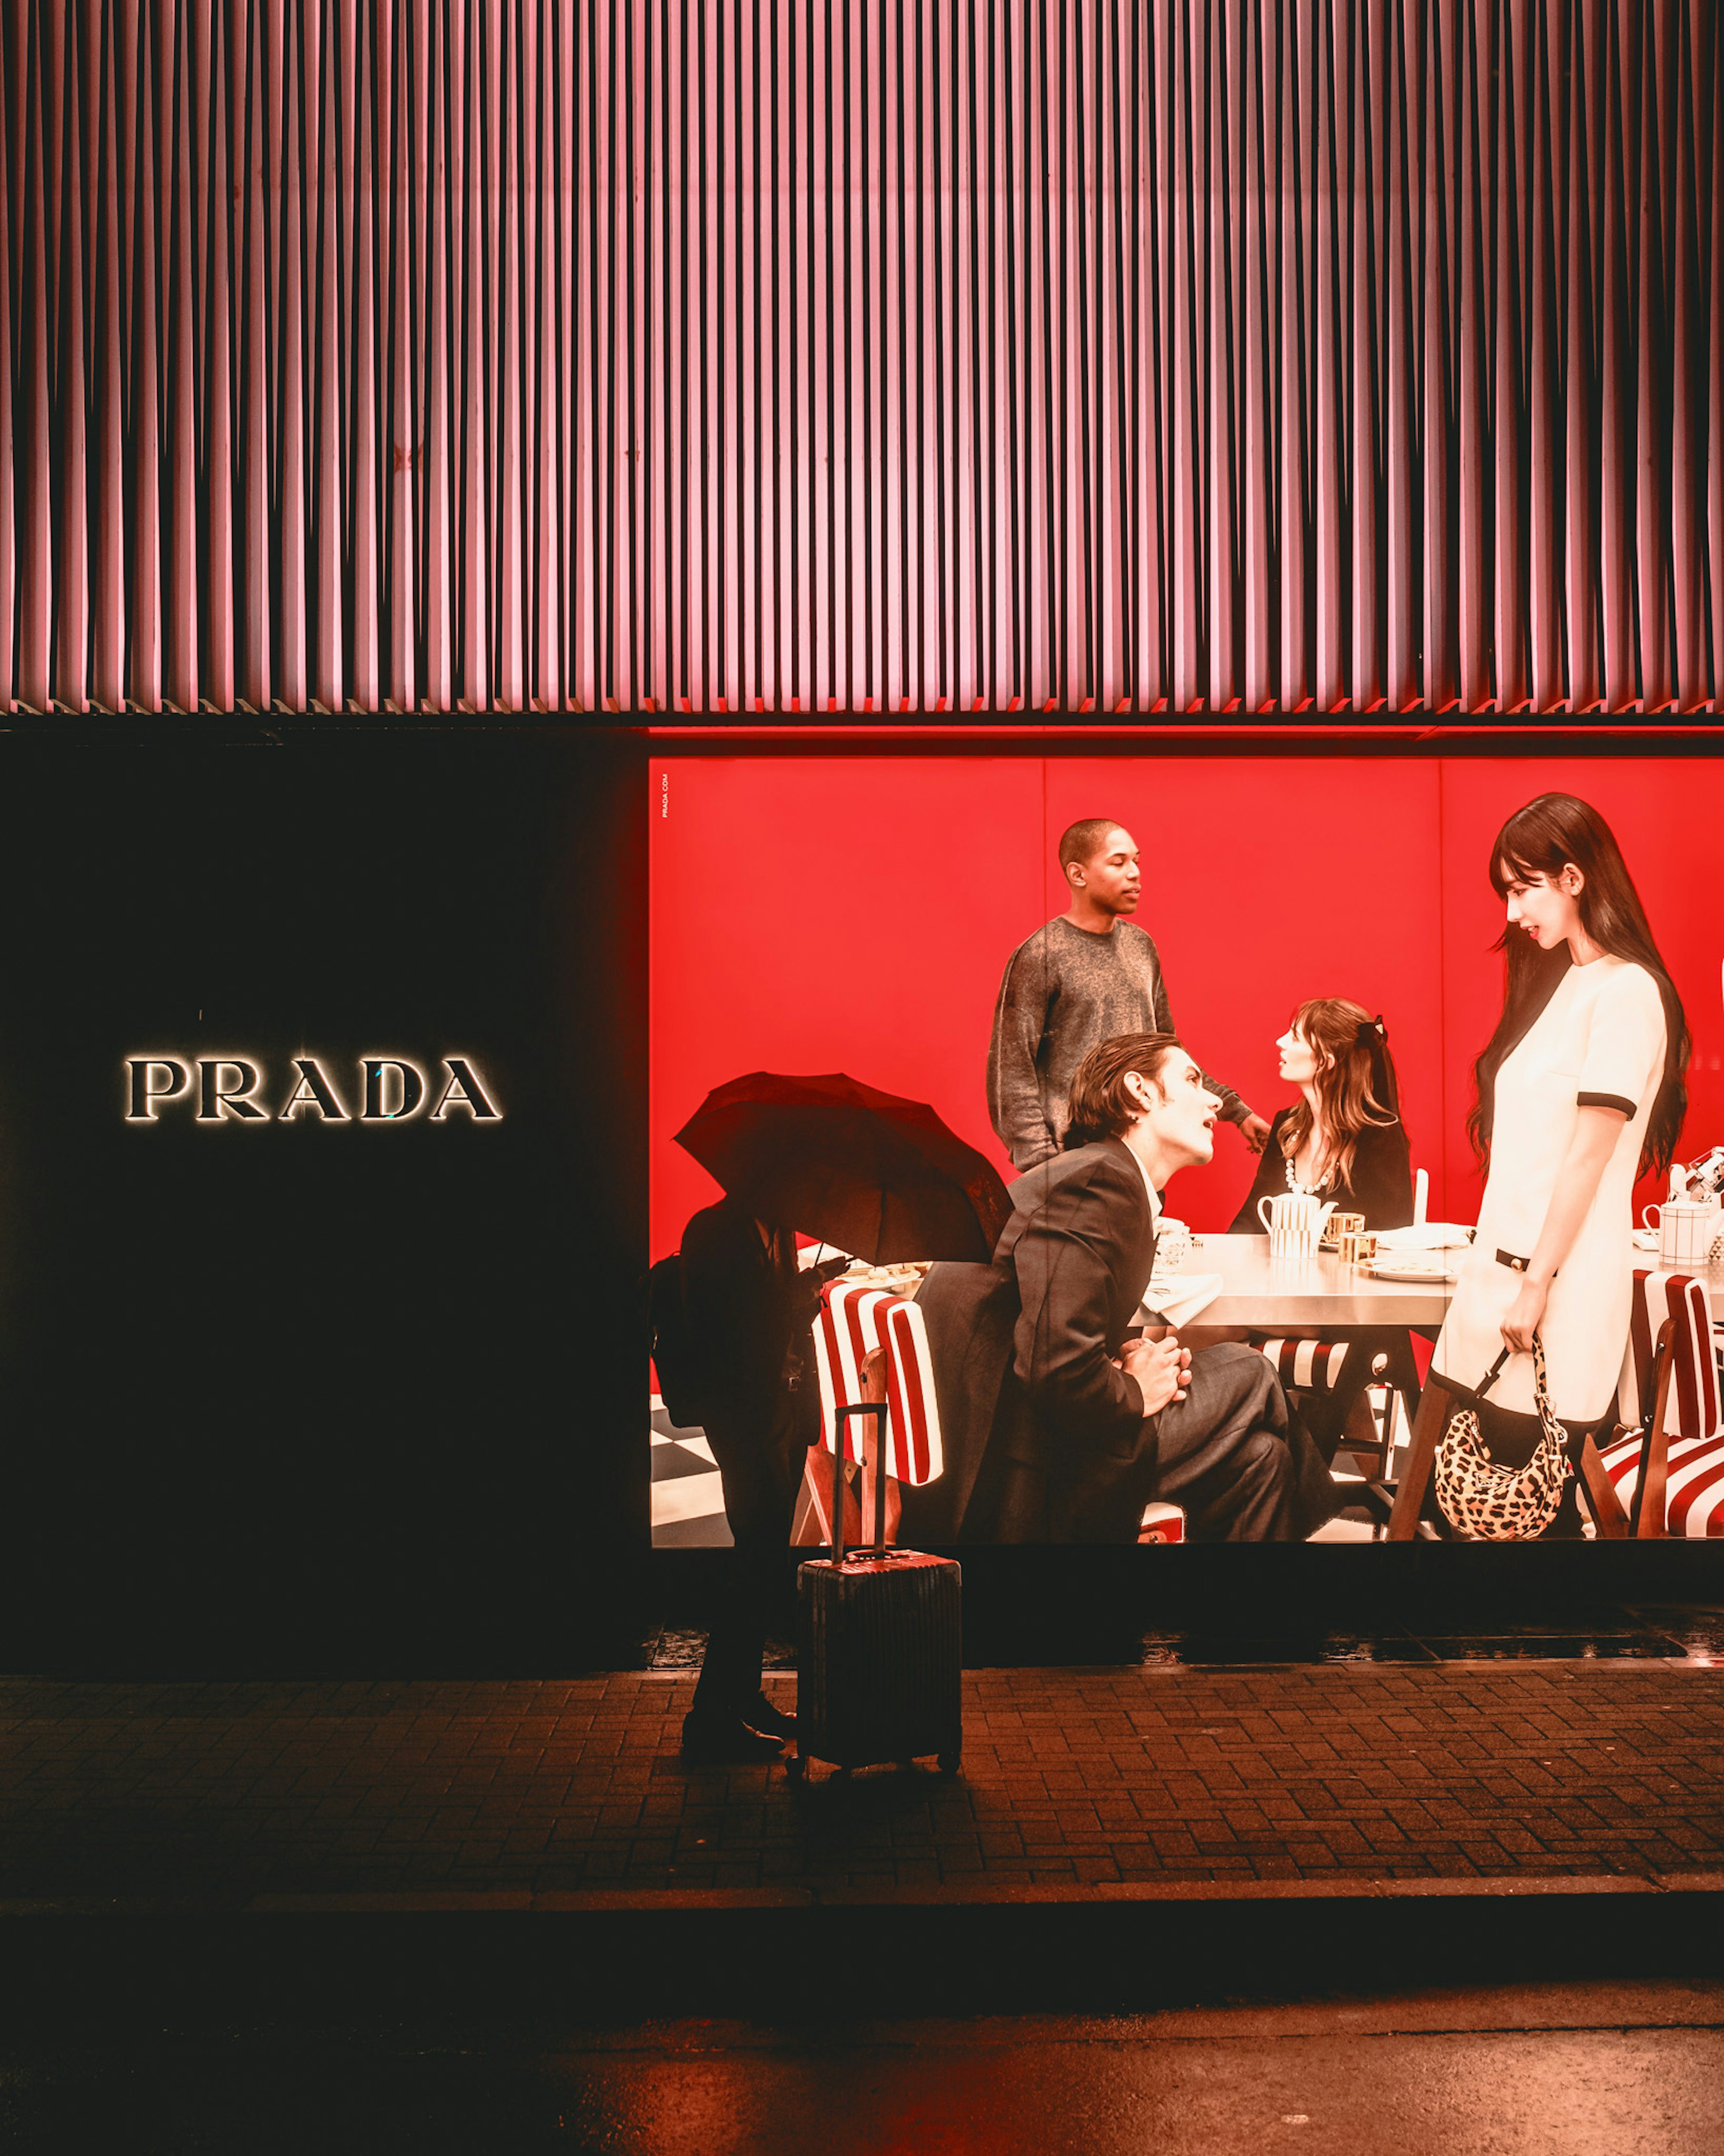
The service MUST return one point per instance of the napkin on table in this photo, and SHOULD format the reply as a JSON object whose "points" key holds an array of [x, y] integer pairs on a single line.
{"points": [[1177, 1300], [1425, 1235]]}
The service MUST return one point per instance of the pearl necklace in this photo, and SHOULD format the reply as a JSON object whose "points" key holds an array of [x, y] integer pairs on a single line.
{"points": [[1298, 1189]]}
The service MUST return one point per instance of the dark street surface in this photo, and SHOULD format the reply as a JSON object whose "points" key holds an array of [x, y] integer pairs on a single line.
{"points": [[1075, 1781], [1185, 1904], [1571, 2069]]}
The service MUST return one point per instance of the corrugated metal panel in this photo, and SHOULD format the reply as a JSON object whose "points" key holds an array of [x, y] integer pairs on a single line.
{"points": [[829, 355]]}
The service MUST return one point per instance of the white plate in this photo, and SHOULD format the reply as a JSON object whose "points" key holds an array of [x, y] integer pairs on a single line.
{"points": [[1412, 1268]]}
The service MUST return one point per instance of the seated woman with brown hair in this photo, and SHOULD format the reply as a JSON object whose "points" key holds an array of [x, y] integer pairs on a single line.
{"points": [[1343, 1138]]}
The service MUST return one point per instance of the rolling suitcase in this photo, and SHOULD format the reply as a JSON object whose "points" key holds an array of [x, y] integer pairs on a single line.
{"points": [[879, 1650]]}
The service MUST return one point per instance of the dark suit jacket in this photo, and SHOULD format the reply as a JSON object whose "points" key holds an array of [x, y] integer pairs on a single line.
{"points": [[751, 1312], [1023, 1348]]}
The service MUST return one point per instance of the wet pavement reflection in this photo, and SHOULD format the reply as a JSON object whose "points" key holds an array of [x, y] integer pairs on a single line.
{"points": [[1570, 2068]]}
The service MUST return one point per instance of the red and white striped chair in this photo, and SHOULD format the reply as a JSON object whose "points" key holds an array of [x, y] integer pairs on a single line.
{"points": [[1314, 1366], [870, 1345], [1367, 1436], [1318, 1366], [1674, 1401]]}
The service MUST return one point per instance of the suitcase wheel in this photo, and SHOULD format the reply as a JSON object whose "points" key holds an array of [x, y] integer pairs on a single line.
{"points": [[949, 1763]]}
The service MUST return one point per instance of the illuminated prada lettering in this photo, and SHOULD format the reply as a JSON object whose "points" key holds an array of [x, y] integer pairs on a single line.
{"points": [[394, 1089], [238, 1089], [226, 1086], [154, 1079], [312, 1090], [464, 1091]]}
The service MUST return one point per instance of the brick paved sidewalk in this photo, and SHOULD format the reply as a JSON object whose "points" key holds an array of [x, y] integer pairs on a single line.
{"points": [[1073, 1778]]}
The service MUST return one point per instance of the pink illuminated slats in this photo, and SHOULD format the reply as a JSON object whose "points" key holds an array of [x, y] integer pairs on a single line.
{"points": [[327, 390], [291, 207], [1709, 251], [1696, 211], [151, 223], [400, 152], [434, 553], [176, 86], [473, 294], [67, 218], [34, 628], [363, 469], [803, 356], [9, 545], [105, 434], [213, 199]]}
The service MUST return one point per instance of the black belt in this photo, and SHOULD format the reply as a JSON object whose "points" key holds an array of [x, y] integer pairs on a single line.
{"points": [[1514, 1264]]}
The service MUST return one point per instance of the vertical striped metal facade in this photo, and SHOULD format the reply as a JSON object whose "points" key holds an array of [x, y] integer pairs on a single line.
{"points": [[862, 355]]}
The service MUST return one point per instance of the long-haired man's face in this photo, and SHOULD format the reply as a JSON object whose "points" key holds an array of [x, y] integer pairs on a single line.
{"points": [[1179, 1111], [1546, 908], [1111, 878]]}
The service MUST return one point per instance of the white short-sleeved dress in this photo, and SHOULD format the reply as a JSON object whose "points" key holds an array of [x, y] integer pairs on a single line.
{"points": [[1599, 1042]]}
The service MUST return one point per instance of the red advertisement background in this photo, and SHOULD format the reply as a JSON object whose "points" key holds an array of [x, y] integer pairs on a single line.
{"points": [[855, 913]]}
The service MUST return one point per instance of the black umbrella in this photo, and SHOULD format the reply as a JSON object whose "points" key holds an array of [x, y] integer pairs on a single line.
{"points": [[867, 1172]]}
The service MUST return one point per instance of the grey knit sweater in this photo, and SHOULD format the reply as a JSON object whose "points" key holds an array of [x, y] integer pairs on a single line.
{"points": [[1063, 990]]}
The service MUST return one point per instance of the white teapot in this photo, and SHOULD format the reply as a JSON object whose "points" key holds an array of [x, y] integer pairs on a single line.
{"points": [[1295, 1225]]}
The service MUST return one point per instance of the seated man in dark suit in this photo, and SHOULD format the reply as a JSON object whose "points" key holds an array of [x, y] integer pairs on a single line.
{"points": [[1058, 1428]]}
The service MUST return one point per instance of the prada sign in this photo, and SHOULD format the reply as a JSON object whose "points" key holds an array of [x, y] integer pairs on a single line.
{"points": [[388, 1089]]}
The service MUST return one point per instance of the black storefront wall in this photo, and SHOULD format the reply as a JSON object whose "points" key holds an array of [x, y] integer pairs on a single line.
{"points": [[360, 1395], [368, 1398]]}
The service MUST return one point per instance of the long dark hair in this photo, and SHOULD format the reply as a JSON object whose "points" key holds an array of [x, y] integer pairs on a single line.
{"points": [[1355, 1081], [1540, 839]]}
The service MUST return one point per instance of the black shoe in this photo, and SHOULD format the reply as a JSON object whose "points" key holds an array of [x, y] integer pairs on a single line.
{"points": [[725, 1742], [763, 1715]]}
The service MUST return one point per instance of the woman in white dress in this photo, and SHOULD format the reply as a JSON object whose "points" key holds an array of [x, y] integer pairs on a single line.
{"points": [[1580, 1090]]}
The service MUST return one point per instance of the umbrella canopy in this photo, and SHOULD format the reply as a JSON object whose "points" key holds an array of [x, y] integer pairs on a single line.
{"points": [[868, 1172]]}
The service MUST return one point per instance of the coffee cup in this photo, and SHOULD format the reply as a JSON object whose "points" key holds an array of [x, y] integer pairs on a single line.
{"points": [[1685, 1233], [1172, 1246], [1342, 1224]]}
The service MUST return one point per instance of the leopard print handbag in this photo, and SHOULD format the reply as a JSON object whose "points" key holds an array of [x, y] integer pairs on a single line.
{"points": [[1482, 1500]]}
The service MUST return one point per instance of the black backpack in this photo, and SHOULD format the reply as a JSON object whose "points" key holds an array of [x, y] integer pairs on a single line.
{"points": [[671, 1342]]}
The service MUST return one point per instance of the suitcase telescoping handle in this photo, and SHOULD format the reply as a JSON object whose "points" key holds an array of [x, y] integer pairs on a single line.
{"points": [[877, 1408]]}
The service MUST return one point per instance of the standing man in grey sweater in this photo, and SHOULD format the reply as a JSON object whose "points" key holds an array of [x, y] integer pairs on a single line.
{"points": [[1083, 979]]}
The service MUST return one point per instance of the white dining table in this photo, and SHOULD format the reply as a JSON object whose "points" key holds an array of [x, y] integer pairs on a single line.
{"points": [[1268, 1293]]}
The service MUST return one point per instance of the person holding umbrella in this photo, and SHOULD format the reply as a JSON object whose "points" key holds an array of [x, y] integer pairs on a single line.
{"points": [[749, 1314], [869, 1174]]}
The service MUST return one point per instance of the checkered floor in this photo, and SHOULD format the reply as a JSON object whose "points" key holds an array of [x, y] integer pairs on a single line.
{"points": [[688, 1498]]}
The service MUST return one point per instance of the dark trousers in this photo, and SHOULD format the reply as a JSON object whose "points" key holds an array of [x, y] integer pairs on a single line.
{"points": [[1229, 1455], [1239, 1464], [761, 1465]]}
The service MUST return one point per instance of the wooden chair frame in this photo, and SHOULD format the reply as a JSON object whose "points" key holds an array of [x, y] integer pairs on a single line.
{"points": [[1437, 1404], [1651, 1488]]}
